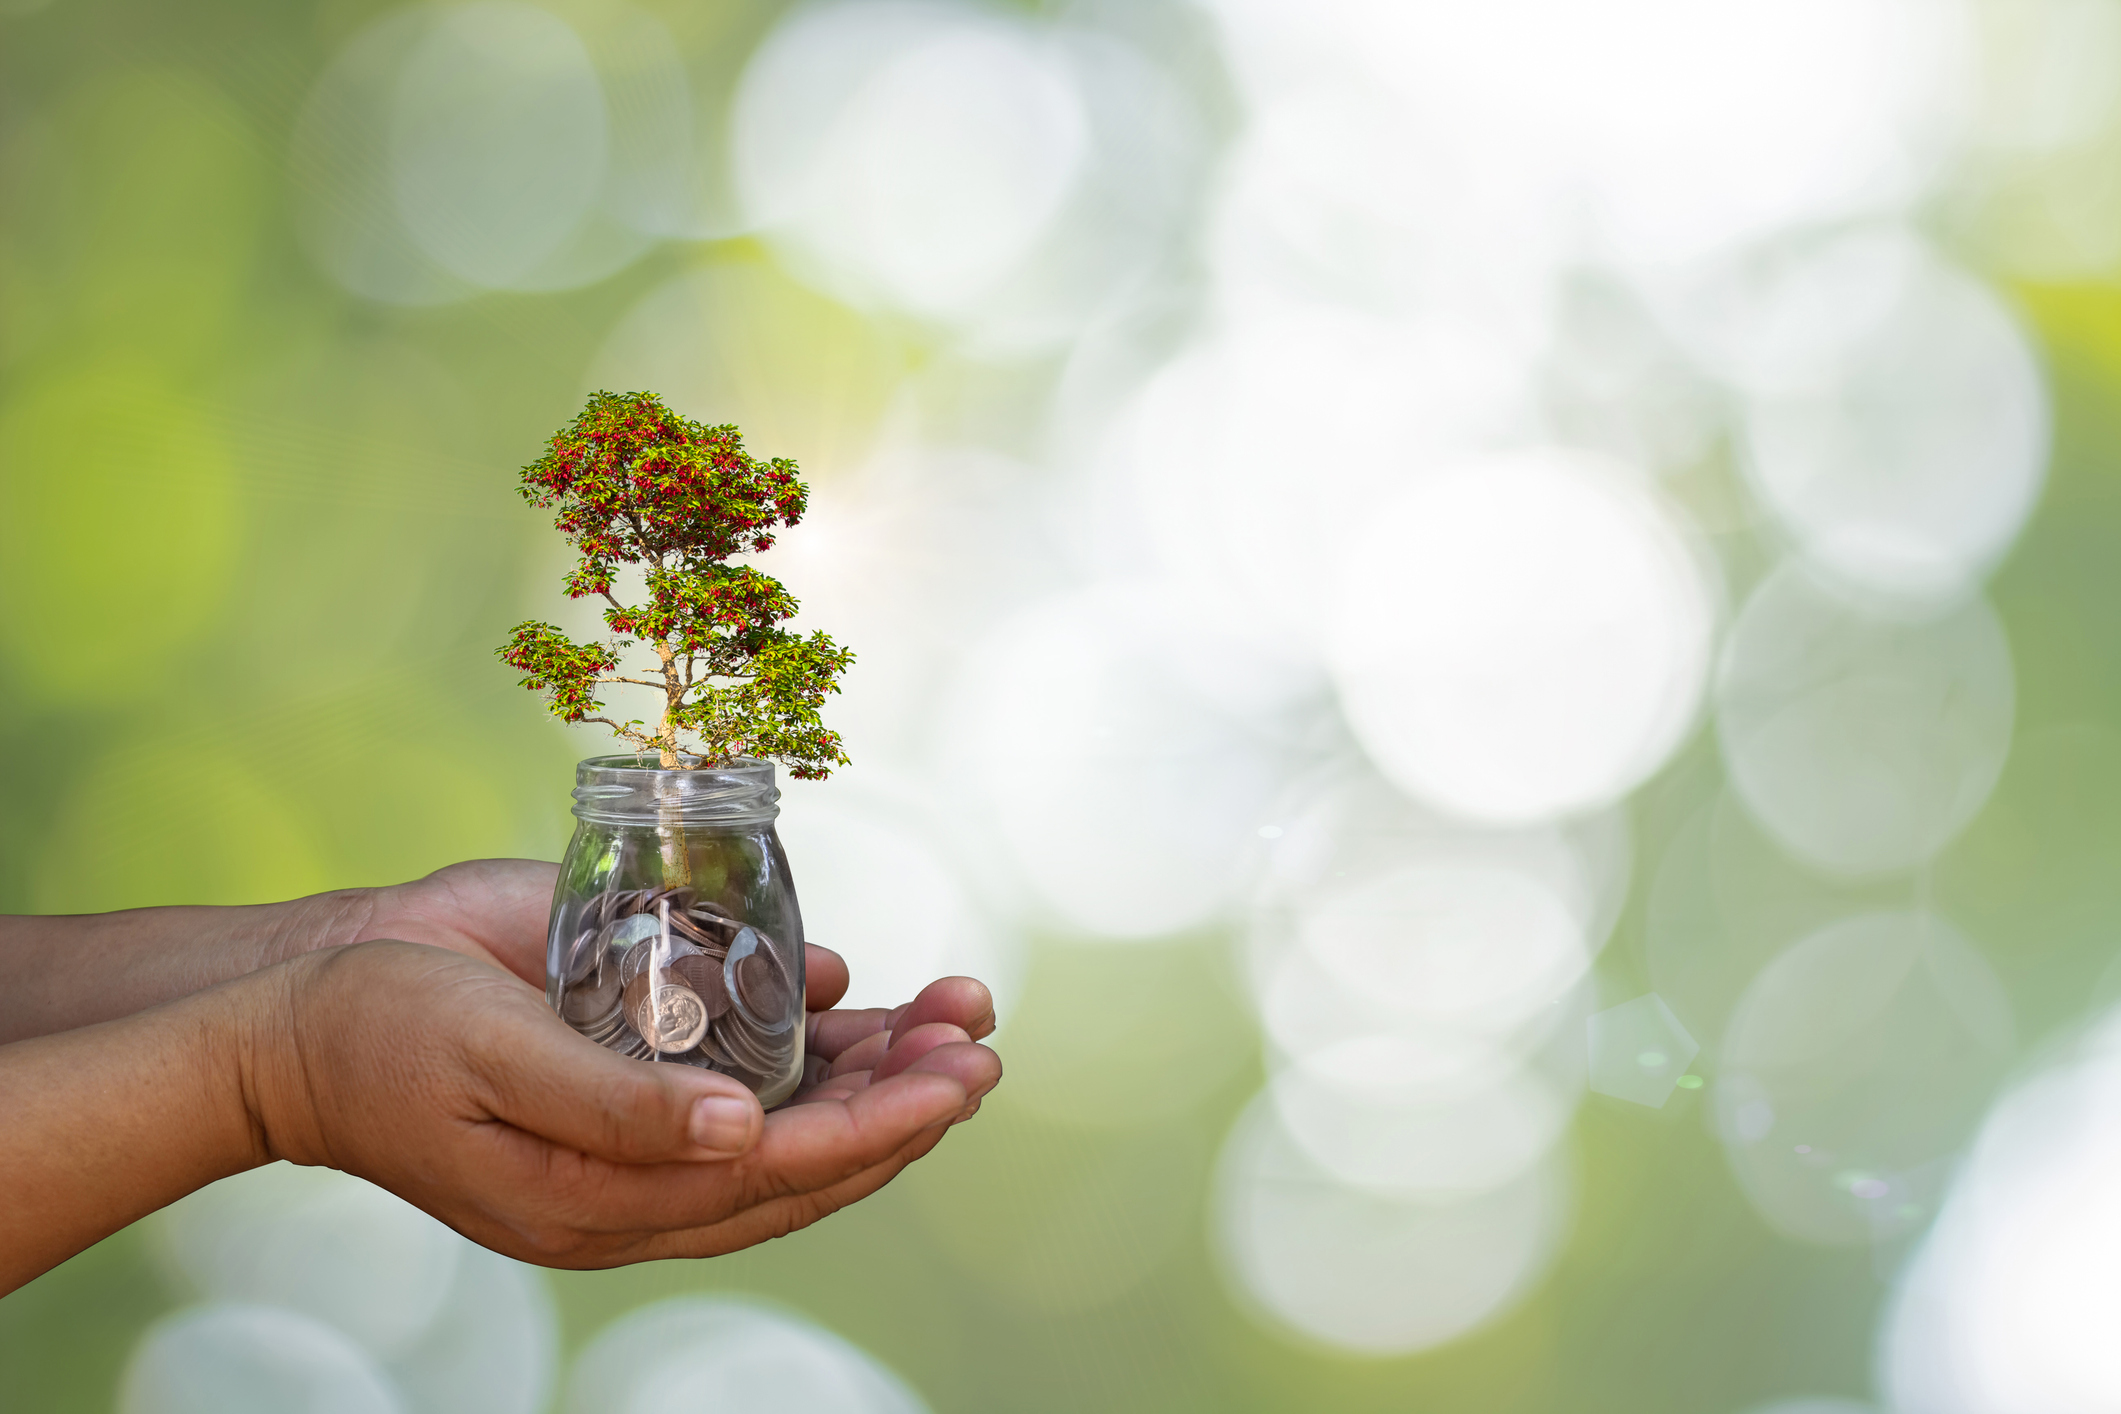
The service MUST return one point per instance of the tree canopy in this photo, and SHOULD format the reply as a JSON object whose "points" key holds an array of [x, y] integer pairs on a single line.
{"points": [[636, 484]]}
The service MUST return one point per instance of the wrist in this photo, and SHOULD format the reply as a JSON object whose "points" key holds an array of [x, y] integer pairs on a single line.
{"points": [[108, 1122], [265, 1057], [316, 922]]}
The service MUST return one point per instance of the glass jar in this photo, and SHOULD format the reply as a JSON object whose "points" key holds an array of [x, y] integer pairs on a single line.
{"points": [[675, 931]]}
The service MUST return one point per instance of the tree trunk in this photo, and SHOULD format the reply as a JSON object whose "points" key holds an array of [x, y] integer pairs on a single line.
{"points": [[677, 857]]}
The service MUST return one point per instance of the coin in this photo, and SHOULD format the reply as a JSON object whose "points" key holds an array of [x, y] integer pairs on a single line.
{"points": [[676, 1019], [758, 981], [633, 929], [581, 955], [714, 1052], [683, 925], [761, 1055], [635, 959], [666, 1013], [611, 1030], [703, 974], [591, 1000]]}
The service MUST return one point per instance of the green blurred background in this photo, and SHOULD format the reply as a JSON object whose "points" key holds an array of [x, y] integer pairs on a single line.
{"points": [[259, 537]]}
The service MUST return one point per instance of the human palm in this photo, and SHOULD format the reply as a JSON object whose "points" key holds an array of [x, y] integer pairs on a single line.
{"points": [[495, 910]]}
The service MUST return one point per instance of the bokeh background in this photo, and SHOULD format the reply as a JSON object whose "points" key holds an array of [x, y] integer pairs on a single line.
{"points": [[1495, 623]]}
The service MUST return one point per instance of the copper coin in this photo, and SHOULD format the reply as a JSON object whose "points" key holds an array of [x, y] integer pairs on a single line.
{"points": [[636, 957], [758, 981], [704, 975], [683, 925]]}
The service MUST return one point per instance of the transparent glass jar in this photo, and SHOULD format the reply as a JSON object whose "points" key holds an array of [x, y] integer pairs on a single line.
{"points": [[675, 931]]}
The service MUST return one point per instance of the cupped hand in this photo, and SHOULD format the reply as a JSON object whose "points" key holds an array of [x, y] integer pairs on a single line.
{"points": [[432, 1072], [492, 909], [496, 910]]}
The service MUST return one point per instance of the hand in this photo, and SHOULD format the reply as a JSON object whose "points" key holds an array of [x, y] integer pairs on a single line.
{"points": [[452, 1084], [496, 910]]}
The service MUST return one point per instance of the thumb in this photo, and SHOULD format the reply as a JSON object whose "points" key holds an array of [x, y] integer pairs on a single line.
{"points": [[545, 1078]]}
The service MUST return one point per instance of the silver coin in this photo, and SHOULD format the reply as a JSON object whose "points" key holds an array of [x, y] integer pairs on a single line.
{"points": [[632, 929], [714, 1052], [672, 1018], [608, 1030], [586, 1003], [581, 955], [763, 1055]]}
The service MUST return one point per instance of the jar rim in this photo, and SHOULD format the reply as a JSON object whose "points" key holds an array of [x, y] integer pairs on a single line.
{"points": [[650, 763], [635, 788]]}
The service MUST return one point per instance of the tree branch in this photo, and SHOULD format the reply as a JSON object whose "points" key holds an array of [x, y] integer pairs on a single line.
{"points": [[627, 732]]}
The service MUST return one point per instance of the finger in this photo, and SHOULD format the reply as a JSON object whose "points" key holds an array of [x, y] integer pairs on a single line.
{"points": [[976, 1069], [785, 1215], [832, 1032], [838, 1087], [808, 1147], [961, 1001], [910, 1046], [862, 1055], [824, 978], [544, 1078], [804, 1148]]}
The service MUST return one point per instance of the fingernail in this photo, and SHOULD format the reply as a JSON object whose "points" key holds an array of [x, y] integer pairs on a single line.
{"points": [[721, 1124]]}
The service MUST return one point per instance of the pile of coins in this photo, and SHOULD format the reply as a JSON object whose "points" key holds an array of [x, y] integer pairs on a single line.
{"points": [[663, 972]]}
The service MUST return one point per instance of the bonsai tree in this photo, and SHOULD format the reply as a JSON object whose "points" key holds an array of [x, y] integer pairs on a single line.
{"points": [[636, 484]]}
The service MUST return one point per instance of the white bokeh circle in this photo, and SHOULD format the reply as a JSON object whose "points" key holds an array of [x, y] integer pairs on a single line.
{"points": [[493, 1347], [1521, 638], [498, 138], [1894, 416], [1416, 1115], [2011, 1305], [232, 1358], [726, 1352], [491, 145], [1366, 1273], [318, 1242], [1796, 113], [1224, 451], [910, 154], [1855, 1065], [1127, 800], [1863, 739], [879, 892]]}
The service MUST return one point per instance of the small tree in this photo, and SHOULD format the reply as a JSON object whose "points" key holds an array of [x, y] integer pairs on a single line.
{"points": [[636, 484]]}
